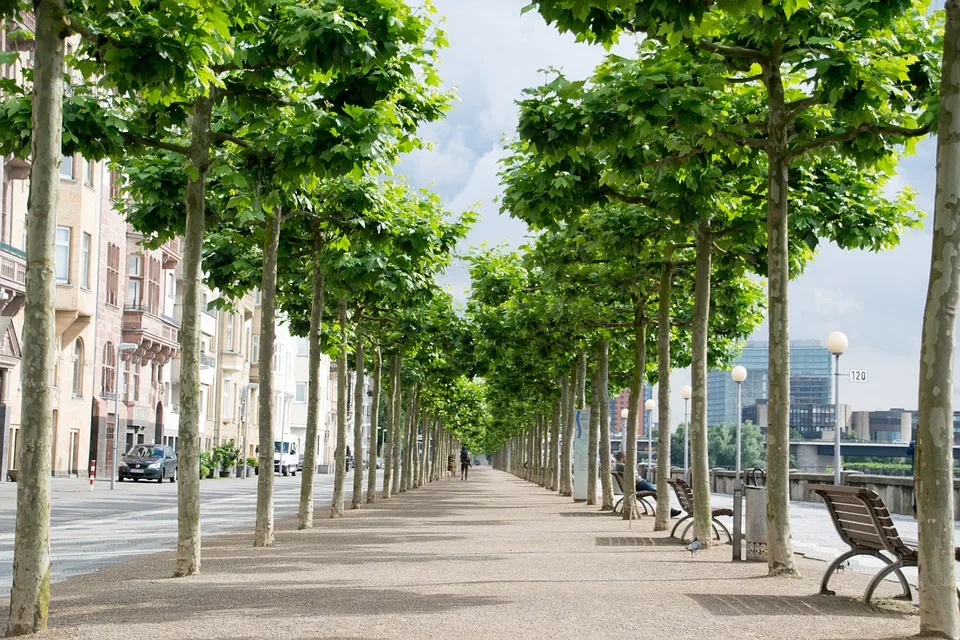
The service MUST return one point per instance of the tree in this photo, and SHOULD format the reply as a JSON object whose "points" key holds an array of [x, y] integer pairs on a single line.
{"points": [[848, 76], [933, 472]]}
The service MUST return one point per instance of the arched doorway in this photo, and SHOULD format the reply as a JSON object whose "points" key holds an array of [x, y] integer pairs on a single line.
{"points": [[159, 430]]}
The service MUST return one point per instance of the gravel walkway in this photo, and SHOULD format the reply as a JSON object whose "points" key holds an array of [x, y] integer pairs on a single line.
{"points": [[494, 557]]}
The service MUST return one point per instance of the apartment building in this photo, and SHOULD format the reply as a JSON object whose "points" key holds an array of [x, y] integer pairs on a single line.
{"points": [[118, 315], [326, 430]]}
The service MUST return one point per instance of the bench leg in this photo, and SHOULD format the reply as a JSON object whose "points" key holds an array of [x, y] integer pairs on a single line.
{"points": [[877, 579], [832, 568], [616, 507], [647, 509], [686, 530], [717, 523], [679, 522]]}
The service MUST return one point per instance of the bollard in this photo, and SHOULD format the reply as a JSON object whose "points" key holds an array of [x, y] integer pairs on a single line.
{"points": [[737, 523], [93, 472]]}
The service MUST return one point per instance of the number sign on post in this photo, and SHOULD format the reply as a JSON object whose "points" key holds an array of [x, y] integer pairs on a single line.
{"points": [[858, 375]]}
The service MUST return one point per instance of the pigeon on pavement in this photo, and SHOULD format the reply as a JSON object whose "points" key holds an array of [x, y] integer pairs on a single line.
{"points": [[694, 546]]}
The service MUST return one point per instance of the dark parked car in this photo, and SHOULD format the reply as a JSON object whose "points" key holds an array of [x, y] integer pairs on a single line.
{"points": [[149, 461]]}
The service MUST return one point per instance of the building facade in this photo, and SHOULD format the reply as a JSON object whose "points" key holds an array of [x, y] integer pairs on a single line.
{"points": [[810, 380]]}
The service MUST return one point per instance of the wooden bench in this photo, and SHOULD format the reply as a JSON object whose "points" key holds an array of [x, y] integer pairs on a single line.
{"points": [[863, 522], [642, 498], [685, 497]]}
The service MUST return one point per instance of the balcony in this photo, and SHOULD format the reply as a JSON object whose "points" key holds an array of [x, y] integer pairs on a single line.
{"points": [[13, 279], [207, 362], [232, 361], [156, 336], [171, 252]]}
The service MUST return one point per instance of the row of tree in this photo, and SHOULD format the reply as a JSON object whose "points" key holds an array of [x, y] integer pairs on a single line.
{"points": [[660, 188], [265, 133]]}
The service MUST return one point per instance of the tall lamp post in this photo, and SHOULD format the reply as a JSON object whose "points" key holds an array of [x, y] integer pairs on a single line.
{"points": [[837, 344], [739, 374], [685, 393], [649, 406], [121, 348], [624, 414]]}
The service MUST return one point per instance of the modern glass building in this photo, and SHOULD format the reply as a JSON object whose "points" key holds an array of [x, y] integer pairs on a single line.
{"points": [[810, 379]]}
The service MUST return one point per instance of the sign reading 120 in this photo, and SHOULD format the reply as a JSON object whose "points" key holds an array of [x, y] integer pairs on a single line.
{"points": [[858, 375]]}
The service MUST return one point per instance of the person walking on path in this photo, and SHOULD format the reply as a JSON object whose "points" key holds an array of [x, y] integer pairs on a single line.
{"points": [[464, 463]]}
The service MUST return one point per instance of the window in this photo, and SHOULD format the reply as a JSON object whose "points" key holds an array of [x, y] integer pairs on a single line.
{"points": [[203, 400], [303, 347], [134, 282], [85, 261], [228, 339], [209, 413], [277, 358], [255, 350], [225, 404], [63, 254], [301, 392], [116, 184], [78, 368], [125, 389], [113, 274], [66, 167], [109, 370], [91, 167], [171, 291], [153, 286], [136, 381]]}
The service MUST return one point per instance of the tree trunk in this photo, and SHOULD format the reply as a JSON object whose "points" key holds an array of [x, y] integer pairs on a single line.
{"points": [[405, 451], [581, 378], [603, 390], [305, 512], [663, 397], [412, 437], [415, 451], [553, 470], [779, 551], [397, 426], [188, 453], [390, 435], [374, 427], [934, 460], [357, 500], [594, 435], [263, 534], [636, 403], [700, 480], [30, 594], [422, 478], [566, 423], [340, 454]]}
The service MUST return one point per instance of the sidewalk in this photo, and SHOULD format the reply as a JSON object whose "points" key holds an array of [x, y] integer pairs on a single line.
{"points": [[495, 557]]}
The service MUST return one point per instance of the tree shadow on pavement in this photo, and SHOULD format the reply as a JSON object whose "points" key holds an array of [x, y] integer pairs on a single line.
{"points": [[176, 601]]}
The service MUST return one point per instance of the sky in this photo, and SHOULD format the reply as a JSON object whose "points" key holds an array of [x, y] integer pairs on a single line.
{"points": [[495, 53]]}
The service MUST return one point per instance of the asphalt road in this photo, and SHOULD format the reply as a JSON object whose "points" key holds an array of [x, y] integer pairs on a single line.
{"points": [[90, 530]]}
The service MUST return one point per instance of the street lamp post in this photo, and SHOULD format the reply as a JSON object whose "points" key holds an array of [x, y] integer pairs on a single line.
{"points": [[624, 414], [649, 405], [121, 347], [739, 374], [837, 344], [685, 393]]}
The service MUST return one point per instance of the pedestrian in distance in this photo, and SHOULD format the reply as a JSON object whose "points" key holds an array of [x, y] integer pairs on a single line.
{"points": [[464, 464]]}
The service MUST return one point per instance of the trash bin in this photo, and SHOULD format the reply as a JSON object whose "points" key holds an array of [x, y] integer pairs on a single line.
{"points": [[755, 525]]}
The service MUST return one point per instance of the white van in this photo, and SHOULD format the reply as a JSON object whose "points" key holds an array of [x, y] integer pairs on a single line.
{"points": [[286, 455]]}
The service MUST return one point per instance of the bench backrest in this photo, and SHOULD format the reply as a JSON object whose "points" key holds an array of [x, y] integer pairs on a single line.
{"points": [[683, 492], [861, 518], [618, 482]]}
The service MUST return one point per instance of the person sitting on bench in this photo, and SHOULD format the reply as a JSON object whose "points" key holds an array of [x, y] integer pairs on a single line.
{"points": [[642, 483]]}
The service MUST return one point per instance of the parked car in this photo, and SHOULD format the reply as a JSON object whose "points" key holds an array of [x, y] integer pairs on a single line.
{"points": [[148, 461]]}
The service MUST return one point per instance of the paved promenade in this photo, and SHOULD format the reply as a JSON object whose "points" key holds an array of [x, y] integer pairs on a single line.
{"points": [[493, 557]]}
